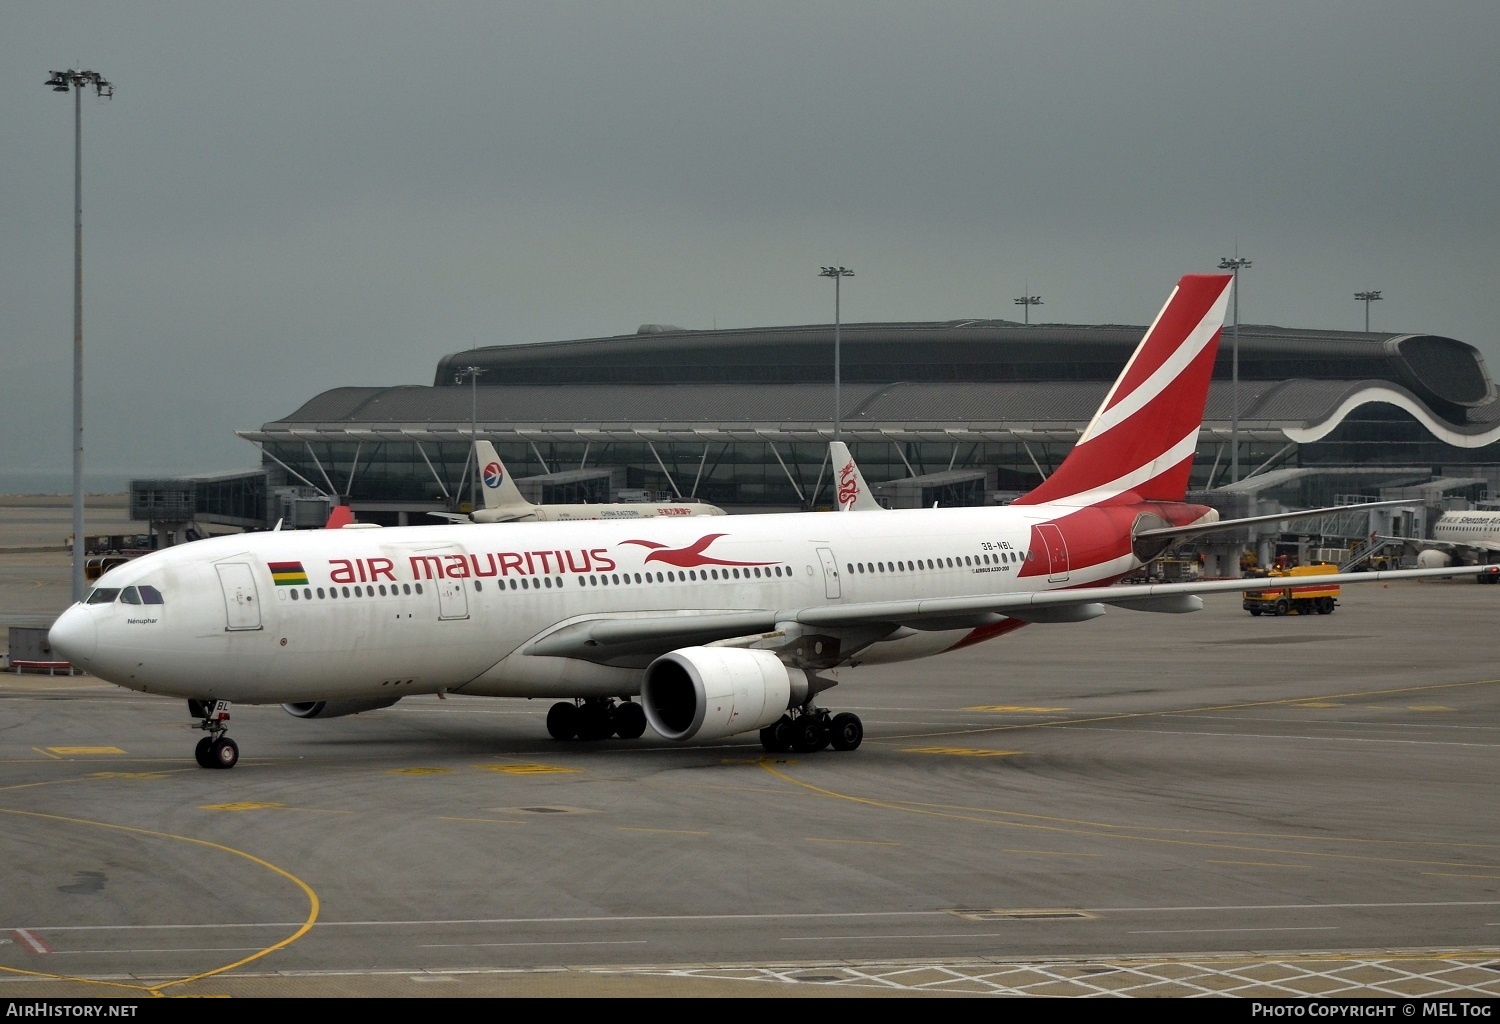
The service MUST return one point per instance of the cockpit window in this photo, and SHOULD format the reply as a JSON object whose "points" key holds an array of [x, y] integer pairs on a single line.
{"points": [[130, 595], [104, 595], [150, 595]]}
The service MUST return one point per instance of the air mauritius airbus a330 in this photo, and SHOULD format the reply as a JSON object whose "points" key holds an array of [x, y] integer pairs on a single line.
{"points": [[721, 627]]}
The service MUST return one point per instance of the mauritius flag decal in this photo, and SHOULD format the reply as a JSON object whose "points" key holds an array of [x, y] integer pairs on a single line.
{"points": [[288, 574]]}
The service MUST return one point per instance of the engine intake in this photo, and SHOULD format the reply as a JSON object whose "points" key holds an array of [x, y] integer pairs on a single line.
{"points": [[710, 692], [336, 708]]}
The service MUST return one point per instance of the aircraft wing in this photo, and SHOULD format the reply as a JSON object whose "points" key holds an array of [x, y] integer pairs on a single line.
{"points": [[1169, 535], [635, 640]]}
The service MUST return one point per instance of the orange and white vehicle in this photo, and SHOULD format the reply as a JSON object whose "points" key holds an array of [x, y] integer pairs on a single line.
{"points": [[1320, 597]]}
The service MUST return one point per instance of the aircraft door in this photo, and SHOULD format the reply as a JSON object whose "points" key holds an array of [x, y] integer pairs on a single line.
{"points": [[1055, 550], [241, 600], [831, 587], [453, 600]]}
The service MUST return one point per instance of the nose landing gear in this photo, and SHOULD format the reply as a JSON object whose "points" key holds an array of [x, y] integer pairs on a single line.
{"points": [[216, 750]]}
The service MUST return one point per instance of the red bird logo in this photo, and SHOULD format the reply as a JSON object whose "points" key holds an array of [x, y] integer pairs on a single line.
{"points": [[689, 557]]}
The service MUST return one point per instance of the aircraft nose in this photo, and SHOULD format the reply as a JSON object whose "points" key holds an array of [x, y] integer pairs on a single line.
{"points": [[74, 635]]}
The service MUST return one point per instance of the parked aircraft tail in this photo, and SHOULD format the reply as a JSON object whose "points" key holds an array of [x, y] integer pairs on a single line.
{"points": [[1140, 444], [500, 491], [853, 493]]}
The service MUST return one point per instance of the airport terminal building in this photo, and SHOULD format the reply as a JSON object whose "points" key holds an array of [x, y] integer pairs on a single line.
{"points": [[961, 412]]}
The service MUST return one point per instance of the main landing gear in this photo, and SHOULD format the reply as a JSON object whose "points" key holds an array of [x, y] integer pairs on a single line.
{"points": [[596, 719], [811, 730], [216, 750]]}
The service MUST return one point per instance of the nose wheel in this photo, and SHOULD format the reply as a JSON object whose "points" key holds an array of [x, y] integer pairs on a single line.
{"points": [[216, 750]]}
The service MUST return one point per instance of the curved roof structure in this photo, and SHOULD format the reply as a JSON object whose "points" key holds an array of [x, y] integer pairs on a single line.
{"points": [[968, 380]]}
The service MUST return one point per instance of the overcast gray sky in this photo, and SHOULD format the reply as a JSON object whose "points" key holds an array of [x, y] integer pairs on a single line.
{"points": [[285, 197]]}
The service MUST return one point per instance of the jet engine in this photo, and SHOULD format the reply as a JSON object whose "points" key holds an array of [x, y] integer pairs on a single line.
{"points": [[1431, 559], [710, 692], [336, 708]]}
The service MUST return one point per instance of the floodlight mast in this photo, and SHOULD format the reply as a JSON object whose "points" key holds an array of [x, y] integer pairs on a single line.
{"points": [[77, 82], [1367, 298], [1235, 264], [837, 273]]}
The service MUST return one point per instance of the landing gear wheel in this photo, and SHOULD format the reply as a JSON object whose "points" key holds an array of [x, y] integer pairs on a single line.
{"points": [[630, 720], [596, 721], [846, 731], [562, 720], [776, 738], [809, 734], [204, 752], [224, 752]]}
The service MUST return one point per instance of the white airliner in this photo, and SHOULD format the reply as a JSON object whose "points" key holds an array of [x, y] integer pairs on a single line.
{"points": [[721, 628], [1461, 538], [503, 502]]}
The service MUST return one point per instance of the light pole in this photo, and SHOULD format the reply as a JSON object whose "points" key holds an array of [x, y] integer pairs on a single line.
{"points": [[1027, 301], [1234, 264], [837, 273], [77, 81], [1367, 298], [472, 372]]}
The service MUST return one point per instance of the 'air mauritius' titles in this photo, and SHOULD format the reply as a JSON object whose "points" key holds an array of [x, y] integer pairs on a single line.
{"points": [[463, 566], [513, 563]]}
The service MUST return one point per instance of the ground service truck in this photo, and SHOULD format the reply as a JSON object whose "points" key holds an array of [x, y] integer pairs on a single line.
{"points": [[1287, 597]]}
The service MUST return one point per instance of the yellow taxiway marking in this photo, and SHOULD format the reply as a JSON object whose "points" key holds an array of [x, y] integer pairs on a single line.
{"points": [[1428, 707], [244, 805], [669, 831], [1455, 874], [418, 771], [961, 751], [1316, 704], [128, 775], [1014, 708], [159, 988], [524, 769], [1260, 864], [82, 751]]}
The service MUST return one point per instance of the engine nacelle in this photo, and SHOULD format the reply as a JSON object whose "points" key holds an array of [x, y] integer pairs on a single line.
{"points": [[336, 708], [709, 692], [1431, 559]]}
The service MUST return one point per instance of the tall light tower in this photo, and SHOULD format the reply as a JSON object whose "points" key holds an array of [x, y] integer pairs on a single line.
{"points": [[1027, 301], [472, 372], [1367, 298], [78, 81], [838, 274], [1234, 264]]}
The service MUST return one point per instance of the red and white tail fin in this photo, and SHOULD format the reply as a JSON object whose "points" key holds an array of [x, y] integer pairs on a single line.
{"points": [[1139, 446], [340, 517]]}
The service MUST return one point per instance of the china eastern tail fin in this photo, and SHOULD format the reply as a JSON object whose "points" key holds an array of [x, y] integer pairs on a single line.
{"points": [[1139, 446], [500, 491]]}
